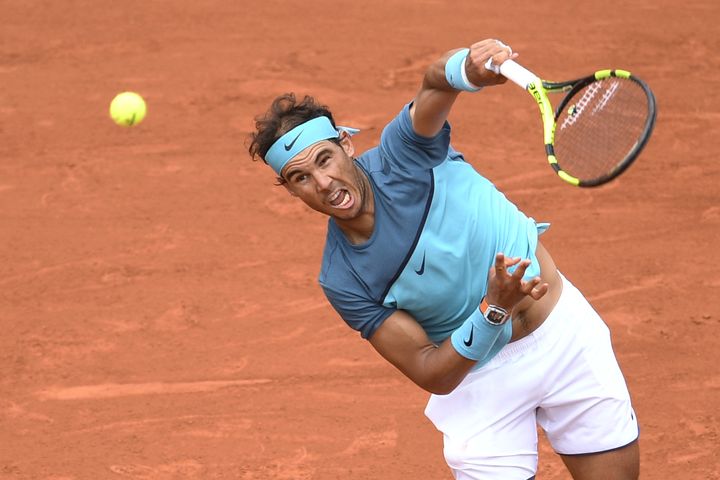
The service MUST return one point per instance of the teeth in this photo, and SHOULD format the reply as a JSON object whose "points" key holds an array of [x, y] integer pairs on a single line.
{"points": [[343, 196], [346, 200], [336, 196]]}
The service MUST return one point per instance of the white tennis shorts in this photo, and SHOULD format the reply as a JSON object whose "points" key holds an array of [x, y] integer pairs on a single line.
{"points": [[563, 377]]}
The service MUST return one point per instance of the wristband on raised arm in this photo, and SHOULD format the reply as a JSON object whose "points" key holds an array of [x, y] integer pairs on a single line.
{"points": [[455, 73]]}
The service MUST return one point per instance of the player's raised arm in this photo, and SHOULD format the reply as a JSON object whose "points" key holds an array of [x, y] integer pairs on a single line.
{"points": [[457, 70]]}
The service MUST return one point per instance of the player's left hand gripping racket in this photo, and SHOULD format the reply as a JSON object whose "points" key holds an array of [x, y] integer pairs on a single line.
{"points": [[598, 129]]}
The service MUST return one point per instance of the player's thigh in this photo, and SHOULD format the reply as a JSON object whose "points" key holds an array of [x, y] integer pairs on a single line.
{"points": [[489, 423], [620, 464], [588, 410]]}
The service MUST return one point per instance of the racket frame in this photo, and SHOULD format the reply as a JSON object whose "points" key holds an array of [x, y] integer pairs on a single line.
{"points": [[539, 89]]}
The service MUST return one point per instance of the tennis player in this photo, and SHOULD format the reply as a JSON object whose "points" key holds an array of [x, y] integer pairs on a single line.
{"points": [[450, 283]]}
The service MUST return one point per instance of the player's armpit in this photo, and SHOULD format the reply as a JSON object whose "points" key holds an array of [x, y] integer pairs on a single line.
{"points": [[403, 343]]}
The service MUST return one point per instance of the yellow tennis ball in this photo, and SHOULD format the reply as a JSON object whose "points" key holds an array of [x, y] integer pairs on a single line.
{"points": [[128, 109]]}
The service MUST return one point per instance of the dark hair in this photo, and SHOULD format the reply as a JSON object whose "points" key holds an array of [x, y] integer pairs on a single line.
{"points": [[284, 114]]}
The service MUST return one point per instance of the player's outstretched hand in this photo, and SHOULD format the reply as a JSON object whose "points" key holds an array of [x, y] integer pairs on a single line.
{"points": [[479, 54], [507, 289]]}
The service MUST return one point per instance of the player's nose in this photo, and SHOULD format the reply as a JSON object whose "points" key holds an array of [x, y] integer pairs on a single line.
{"points": [[323, 181]]}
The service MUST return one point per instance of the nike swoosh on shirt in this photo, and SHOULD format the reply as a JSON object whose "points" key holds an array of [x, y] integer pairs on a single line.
{"points": [[421, 270], [468, 342], [288, 146]]}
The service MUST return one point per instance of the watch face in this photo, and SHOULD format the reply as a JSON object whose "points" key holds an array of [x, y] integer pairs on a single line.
{"points": [[495, 316]]}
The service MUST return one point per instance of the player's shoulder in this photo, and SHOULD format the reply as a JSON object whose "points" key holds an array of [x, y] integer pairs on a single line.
{"points": [[358, 272], [334, 262]]}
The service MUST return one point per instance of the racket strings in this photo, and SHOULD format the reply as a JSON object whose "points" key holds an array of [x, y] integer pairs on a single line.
{"points": [[600, 127]]}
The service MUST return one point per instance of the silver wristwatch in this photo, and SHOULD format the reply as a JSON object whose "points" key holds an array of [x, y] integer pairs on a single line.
{"points": [[493, 314]]}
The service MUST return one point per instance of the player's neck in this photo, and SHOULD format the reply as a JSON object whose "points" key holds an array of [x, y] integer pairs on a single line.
{"points": [[359, 230]]}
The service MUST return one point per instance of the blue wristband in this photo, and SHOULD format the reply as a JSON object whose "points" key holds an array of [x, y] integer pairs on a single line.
{"points": [[475, 338], [455, 72], [502, 340]]}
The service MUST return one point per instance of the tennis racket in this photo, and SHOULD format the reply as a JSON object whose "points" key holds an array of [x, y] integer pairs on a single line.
{"points": [[600, 126]]}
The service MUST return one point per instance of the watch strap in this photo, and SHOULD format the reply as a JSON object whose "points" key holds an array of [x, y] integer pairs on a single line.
{"points": [[484, 306]]}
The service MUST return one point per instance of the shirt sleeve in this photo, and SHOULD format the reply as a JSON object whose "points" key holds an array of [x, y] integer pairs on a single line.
{"points": [[359, 313], [401, 147]]}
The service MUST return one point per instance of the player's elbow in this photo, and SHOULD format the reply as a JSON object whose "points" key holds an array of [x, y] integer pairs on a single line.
{"points": [[441, 390], [439, 386], [438, 375]]}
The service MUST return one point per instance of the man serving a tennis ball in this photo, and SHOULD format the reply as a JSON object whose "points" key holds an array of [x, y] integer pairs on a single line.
{"points": [[413, 232]]}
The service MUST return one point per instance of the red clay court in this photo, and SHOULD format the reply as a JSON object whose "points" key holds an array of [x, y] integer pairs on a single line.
{"points": [[158, 300]]}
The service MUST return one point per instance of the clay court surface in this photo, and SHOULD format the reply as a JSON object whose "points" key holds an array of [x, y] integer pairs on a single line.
{"points": [[159, 309]]}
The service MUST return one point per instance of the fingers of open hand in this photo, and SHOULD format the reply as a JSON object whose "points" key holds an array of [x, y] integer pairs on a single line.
{"points": [[519, 272], [510, 261], [506, 289], [538, 292], [502, 262], [534, 288], [499, 263]]}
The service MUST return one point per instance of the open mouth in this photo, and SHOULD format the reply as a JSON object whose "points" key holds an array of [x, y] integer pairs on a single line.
{"points": [[341, 199]]}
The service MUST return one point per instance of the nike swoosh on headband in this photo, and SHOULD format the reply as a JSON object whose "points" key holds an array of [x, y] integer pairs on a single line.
{"points": [[288, 146]]}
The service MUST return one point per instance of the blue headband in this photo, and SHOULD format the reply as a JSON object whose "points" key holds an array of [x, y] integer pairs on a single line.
{"points": [[301, 137]]}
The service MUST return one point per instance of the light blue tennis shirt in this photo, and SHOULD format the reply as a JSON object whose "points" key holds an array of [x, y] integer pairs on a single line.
{"points": [[438, 226]]}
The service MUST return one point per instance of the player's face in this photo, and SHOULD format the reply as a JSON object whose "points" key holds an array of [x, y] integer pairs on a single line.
{"points": [[325, 177]]}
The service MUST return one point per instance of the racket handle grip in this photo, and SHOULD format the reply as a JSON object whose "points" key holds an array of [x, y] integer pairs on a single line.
{"points": [[513, 71]]}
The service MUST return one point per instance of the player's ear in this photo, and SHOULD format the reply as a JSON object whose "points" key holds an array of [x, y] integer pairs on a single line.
{"points": [[347, 144], [287, 187], [284, 183]]}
